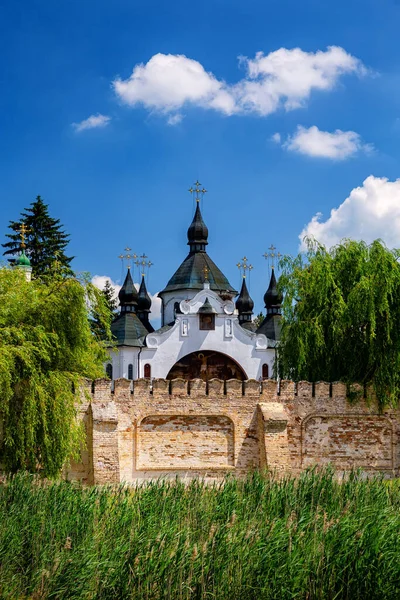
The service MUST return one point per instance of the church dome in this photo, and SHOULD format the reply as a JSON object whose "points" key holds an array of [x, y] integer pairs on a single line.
{"points": [[144, 300], [128, 294], [272, 297], [23, 260], [198, 231], [244, 303]]}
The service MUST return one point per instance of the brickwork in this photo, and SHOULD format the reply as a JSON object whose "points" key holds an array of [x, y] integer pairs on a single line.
{"points": [[140, 430]]}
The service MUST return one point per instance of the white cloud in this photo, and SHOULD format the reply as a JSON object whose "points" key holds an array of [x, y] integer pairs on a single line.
{"points": [[169, 81], [371, 211], [284, 78], [276, 137], [92, 122], [100, 281], [337, 145], [175, 119]]}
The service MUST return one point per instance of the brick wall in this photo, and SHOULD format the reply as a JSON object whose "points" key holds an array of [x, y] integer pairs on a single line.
{"points": [[141, 430]]}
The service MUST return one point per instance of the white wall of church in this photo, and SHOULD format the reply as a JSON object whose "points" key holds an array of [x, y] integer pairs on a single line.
{"points": [[246, 348], [121, 359]]}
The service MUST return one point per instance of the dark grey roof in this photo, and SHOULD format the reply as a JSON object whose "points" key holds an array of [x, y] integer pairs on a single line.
{"points": [[207, 308], [249, 325], [190, 275], [271, 326], [128, 330], [164, 328]]}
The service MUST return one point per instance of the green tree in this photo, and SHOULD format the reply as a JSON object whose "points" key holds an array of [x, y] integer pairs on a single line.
{"points": [[46, 347], [45, 240], [341, 316], [105, 312], [259, 319]]}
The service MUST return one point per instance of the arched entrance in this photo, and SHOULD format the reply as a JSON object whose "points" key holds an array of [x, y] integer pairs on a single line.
{"points": [[205, 365]]}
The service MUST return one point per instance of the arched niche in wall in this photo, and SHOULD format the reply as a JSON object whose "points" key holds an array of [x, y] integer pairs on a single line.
{"points": [[206, 365]]}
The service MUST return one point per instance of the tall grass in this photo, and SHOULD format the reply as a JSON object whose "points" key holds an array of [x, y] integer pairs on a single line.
{"points": [[260, 538]]}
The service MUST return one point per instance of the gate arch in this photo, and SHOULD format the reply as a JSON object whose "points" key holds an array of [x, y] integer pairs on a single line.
{"points": [[206, 365]]}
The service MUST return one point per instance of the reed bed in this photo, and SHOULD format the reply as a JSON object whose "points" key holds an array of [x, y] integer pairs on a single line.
{"points": [[259, 538]]}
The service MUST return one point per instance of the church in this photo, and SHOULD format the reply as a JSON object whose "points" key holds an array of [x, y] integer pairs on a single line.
{"points": [[205, 333]]}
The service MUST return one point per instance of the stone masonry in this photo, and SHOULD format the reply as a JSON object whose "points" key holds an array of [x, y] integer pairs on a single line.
{"points": [[141, 430]]}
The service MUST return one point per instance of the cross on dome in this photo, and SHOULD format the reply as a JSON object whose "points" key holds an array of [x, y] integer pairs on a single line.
{"points": [[197, 190], [23, 230], [272, 255], [243, 266]]}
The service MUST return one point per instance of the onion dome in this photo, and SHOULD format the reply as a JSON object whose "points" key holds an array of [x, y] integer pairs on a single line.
{"points": [[244, 304], [197, 232], [272, 298], [144, 300], [271, 325], [128, 296], [143, 306], [22, 260], [207, 308]]}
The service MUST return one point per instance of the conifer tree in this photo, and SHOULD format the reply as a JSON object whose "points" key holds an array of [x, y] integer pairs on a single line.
{"points": [[106, 311], [45, 240]]}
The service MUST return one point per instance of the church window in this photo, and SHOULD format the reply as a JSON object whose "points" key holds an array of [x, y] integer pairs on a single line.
{"points": [[265, 371], [207, 322], [177, 308], [130, 371], [147, 371], [109, 371]]}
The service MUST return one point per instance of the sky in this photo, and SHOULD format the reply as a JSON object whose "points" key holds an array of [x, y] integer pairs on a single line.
{"points": [[287, 112]]}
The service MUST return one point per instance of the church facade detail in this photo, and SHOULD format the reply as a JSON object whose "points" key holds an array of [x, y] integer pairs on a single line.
{"points": [[205, 334]]}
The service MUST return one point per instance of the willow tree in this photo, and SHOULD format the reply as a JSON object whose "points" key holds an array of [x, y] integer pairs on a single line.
{"points": [[46, 347], [341, 316]]}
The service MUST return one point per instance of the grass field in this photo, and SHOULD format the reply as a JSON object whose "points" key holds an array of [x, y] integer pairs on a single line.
{"points": [[261, 538]]}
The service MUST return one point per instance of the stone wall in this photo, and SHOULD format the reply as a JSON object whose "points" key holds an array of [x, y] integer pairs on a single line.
{"points": [[140, 430]]}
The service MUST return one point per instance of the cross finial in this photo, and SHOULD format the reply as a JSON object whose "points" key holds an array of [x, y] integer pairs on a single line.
{"points": [[198, 191], [23, 230], [206, 271], [272, 256], [142, 263], [243, 266], [129, 256]]}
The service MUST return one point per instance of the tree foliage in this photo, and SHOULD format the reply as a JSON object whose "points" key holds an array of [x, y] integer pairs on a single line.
{"points": [[46, 347], [105, 312], [46, 240], [341, 316]]}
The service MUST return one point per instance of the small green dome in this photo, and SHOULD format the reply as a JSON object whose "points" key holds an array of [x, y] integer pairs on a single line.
{"points": [[23, 260]]}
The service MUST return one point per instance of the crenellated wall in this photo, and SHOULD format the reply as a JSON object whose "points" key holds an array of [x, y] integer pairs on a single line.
{"points": [[140, 430]]}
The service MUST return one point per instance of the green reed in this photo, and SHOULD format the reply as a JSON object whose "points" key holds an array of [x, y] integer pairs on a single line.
{"points": [[261, 538]]}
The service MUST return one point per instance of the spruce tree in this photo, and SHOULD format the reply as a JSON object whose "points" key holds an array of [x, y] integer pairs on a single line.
{"points": [[104, 312], [45, 240]]}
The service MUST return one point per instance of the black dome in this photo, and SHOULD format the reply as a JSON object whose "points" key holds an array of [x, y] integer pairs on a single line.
{"points": [[244, 303], [272, 297], [198, 231], [144, 301], [128, 294]]}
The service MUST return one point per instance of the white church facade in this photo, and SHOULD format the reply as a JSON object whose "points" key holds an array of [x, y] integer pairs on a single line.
{"points": [[205, 333]]}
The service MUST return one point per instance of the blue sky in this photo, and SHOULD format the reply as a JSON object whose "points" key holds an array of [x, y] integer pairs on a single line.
{"points": [[275, 137]]}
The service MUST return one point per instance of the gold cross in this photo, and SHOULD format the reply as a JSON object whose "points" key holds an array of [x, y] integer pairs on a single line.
{"points": [[197, 190], [23, 230], [143, 263], [243, 266], [272, 255], [128, 256], [206, 271]]}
